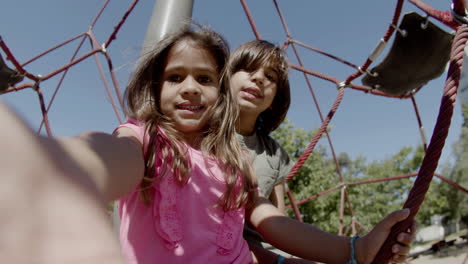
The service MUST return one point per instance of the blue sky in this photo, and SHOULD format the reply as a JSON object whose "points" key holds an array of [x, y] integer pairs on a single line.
{"points": [[373, 126]]}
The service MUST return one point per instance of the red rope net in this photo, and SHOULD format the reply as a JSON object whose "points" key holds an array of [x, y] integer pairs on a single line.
{"points": [[433, 150]]}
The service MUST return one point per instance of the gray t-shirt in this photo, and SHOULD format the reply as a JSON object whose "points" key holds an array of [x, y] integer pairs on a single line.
{"points": [[271, 162], [271, 165]]}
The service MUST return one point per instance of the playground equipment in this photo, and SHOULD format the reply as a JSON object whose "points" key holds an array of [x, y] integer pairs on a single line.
{"points": [[405, 87]]}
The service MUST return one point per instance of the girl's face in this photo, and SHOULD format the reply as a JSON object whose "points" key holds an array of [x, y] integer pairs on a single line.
{"points": [[189, 88], [256, 90]]}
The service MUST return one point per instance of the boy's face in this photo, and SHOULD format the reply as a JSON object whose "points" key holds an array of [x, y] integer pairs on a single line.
{"points": [[256, 90], [189, 88]]}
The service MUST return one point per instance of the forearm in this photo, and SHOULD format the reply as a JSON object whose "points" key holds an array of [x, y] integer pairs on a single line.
{"points": [[35, 158], [109, 164], [297, 238], [50, 207], [262, 255], [115, 165]]}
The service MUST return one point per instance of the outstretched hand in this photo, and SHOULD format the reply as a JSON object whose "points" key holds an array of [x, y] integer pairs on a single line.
{"points": [[368, 246], [49, 212]]}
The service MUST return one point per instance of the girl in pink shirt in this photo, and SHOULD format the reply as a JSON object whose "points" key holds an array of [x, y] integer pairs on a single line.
{"points": [[189, 206], [183, 182]]}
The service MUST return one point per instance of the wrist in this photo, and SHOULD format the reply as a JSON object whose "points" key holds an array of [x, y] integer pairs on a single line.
{"points": [[353, 259], [280, 260]]}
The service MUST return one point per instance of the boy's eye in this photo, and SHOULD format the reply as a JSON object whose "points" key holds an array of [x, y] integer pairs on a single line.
{"points": [[174, 78], [271, 76], [204, 79]]}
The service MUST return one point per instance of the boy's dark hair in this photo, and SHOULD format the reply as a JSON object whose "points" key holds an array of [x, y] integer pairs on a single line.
{"points": [[250, 57]]}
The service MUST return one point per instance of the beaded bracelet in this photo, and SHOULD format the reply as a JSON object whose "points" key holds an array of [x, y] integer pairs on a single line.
{"points": [[352, 257], [280, 259]]}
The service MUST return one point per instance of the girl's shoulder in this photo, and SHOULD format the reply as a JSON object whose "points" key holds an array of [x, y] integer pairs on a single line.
{"points": [[138, 127], [199, 156]]}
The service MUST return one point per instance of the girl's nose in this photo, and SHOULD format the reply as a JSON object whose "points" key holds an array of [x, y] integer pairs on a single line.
{"points": [[190, 86]]}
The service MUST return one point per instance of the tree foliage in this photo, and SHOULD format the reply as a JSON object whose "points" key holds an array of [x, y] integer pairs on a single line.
{"points": [[369, 202], [457, 200], [315, 176]]}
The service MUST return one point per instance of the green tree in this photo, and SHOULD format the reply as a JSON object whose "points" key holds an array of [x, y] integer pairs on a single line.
{"points": [[457, 200], [373, 201], [370, 202], [316, 175]]}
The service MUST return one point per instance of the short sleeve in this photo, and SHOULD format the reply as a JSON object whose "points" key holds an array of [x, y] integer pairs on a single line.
{"points": [[138, 127], [285, 164]]}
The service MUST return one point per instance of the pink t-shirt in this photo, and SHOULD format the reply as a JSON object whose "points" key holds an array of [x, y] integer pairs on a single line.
{"points": [[184, 224]]}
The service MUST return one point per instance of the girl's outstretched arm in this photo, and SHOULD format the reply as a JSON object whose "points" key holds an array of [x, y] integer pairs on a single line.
{"points": [[50, 209], [114, 162], [309, 242]]}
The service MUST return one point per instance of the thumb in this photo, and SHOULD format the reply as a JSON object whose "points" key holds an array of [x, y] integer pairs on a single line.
{"points": [[393, 218]]}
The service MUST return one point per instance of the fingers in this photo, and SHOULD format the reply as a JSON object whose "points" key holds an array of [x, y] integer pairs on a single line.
{"points": [[400, 253], [402, 249], [405, 238], [379, 234], [398, 249], [398, 259], [413, 228]]}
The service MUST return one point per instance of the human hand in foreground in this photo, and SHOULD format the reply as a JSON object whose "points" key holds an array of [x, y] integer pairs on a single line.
{"points": [[50, 212], [368, 246]]}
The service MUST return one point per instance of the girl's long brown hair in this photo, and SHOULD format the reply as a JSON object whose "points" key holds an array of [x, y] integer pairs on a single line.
{"points": [[142, 99]]}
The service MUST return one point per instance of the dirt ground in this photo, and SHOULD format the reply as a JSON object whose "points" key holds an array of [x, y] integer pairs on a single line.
{"points": [[458, 259], [457, 254]]}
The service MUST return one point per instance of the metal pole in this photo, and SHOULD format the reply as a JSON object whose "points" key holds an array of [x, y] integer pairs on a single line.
{"points": [[168, 16]]}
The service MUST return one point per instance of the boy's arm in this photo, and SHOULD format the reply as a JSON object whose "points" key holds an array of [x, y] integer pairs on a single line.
{"points": [[277, 197], [309, 242], [264, 256], [296, 238]]}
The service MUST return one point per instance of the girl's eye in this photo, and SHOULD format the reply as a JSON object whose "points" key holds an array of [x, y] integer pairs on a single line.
{"points": [[174, 78], [204, 79]]}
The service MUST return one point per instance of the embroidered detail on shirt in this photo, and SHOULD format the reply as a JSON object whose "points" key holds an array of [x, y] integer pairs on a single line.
{"points": [[227, 231], [170, 226]]}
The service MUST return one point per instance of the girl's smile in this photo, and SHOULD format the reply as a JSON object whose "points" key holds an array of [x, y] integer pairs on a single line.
{"points": [[190, 107]]}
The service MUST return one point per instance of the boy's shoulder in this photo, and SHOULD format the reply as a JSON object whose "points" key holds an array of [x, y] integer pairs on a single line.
{"points": [[271, 145]]}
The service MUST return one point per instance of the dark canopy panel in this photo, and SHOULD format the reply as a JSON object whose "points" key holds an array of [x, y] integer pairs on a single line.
{"points": [[8, 77], [416, 57]]}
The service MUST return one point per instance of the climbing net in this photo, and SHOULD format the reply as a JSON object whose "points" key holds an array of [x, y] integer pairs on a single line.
{"points": [[18, 78], [433, 150]]}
